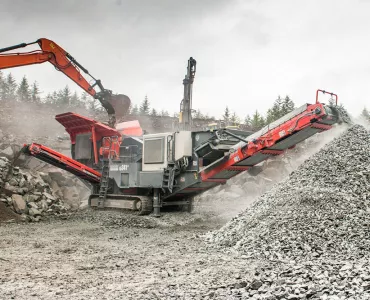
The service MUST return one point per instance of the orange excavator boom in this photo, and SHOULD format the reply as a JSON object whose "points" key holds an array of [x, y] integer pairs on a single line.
{"points": [[64, 62]]}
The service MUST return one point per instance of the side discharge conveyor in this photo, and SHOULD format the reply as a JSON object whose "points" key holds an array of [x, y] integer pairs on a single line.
{"points": [[146, 172]]}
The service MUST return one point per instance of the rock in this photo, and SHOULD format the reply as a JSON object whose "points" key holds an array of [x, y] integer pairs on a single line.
{"points": [[34, 212], [7, 152], [33, 205], [19, 204], [56, 189], [48, 196], [13, 182], [4, 163], [25, 218], [44, 205], [255, 285], [31, 198]]}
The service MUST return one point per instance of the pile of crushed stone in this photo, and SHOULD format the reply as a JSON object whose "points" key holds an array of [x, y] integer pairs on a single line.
{"points": [[240, 191], [313, 226]]}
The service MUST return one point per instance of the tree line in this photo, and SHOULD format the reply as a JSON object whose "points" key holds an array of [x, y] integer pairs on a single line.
{"points": [[280, 107], [27, 92]]}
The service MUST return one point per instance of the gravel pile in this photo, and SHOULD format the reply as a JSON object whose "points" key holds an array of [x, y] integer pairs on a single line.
{"points": [[240, 191], [313, 228]]}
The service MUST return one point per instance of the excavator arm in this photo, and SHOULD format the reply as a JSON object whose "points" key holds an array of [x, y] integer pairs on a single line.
{"points": [[115, 105]]}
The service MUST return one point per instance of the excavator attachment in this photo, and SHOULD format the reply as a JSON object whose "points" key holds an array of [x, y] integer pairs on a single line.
{"points": [[121, 105], [115, 105]]}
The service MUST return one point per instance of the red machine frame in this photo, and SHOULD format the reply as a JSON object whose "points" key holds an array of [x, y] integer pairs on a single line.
{"points": [[76, 124]]}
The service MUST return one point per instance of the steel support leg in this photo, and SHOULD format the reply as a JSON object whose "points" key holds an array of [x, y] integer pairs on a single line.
{"points": [[156, 204]]}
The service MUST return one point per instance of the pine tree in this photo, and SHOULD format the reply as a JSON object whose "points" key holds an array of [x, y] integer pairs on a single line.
{"points": [[75, 100], [35, 93], [87, 101], [234, 119], [198, 115], [64, 96], [276, 108], [55, 98], [287, 106], [145, 107], [153, 113], [262, 122], [2, 86], [365, 113], [270, 116], [10, 88], [226, 116], [49, 99], [164, 113], [332, 102], [23, 91], [207, 117], [257, 121], [248, 121]]}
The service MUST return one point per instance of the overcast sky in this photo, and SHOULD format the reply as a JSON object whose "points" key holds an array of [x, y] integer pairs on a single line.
{"points": [[248, 51]]}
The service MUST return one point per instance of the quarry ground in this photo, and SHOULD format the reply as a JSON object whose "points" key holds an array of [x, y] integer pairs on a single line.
{"points": [[110, 254]]}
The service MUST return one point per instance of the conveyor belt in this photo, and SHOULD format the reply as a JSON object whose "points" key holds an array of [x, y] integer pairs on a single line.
{"points": [[63, 162]]}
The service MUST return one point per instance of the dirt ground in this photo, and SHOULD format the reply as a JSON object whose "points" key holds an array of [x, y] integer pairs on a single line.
{"points": [[116, 255]]}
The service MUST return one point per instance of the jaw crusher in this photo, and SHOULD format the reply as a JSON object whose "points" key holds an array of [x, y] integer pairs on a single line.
{"points": [[145, 172]]}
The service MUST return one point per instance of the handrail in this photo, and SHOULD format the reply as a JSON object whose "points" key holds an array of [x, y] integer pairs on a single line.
{"points": [[325, 92]]}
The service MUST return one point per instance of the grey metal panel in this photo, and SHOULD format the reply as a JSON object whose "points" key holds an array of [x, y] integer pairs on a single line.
{"points": [[225, 174], [154, 150], [151, 179], [117, 169], [295, 138], [253, 160]]}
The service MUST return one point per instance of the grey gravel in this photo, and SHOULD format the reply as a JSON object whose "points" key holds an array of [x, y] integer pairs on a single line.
{"points": [[311, 232]]}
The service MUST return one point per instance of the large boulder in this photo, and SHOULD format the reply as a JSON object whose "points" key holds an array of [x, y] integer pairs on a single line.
{"points": [[19, 204]]}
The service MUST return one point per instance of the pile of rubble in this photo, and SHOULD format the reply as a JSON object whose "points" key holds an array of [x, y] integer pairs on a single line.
{"points": [[311, 230], [34, 194]]}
